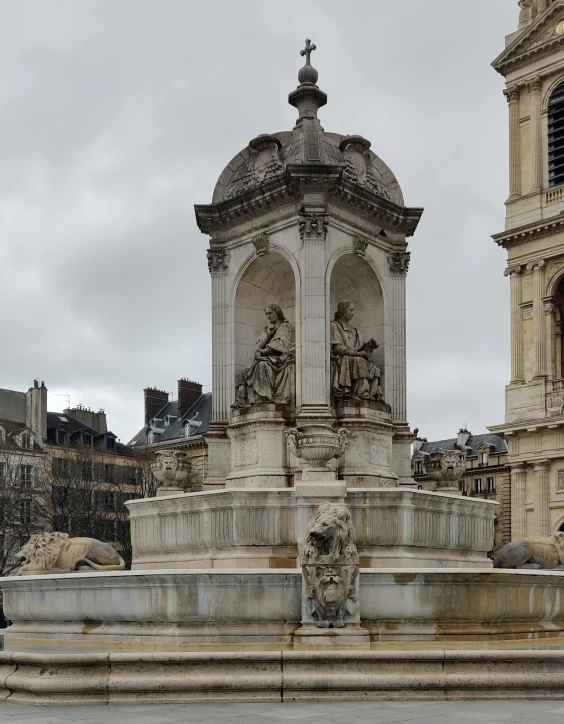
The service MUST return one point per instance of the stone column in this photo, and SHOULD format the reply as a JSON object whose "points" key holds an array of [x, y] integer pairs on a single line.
{"points": [[513, 94], [395, 392], [218, 443], [534, 86], [537, 268], [518, 513], [516, 325], [314, 391], [542, 487]]}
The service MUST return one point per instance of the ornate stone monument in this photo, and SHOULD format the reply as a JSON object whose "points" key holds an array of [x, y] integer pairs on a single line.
{"points": [[309, 228], [171, 470], [446, 467]]}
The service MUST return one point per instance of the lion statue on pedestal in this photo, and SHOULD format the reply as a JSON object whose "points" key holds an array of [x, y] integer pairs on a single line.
{"points": [[546, 553], [57, 553]]}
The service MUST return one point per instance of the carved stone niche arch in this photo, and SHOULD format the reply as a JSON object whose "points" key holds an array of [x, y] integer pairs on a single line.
{"points": [[352, 278], [268, 279]]}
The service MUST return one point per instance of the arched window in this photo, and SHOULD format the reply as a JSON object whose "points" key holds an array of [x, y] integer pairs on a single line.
{"points": [[556, 136]]}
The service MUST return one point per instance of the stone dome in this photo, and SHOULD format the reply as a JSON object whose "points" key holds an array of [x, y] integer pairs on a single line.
{"points": [[267, 156]]}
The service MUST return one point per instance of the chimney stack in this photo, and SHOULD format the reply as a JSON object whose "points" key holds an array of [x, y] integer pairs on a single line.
{"points": [[36, 409], [155, 400], [188, 393], [86, 416], [463, 436]]}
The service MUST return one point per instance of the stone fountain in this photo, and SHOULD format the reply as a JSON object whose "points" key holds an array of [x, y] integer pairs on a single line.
{"points": [[310, 551]]}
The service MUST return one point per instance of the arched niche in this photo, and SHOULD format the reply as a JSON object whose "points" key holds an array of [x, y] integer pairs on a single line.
{"points": [[268, 279], [352, 278]]}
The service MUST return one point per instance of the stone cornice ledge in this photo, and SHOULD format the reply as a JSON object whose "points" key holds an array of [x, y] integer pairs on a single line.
{"points": [[301, 178], [522, 234]]}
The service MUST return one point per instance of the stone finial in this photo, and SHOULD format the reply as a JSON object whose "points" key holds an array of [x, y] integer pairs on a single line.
{"points": [[307, 97]]}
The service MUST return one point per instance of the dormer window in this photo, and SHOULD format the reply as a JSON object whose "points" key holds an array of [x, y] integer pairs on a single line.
{"points": [[419, 467], [27, 441], [150, 437], [87, 439], [483, 458], [61, 437], [110, 443]]}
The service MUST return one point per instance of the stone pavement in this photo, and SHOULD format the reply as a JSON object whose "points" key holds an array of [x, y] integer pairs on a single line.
{"points": [[450, 712]]}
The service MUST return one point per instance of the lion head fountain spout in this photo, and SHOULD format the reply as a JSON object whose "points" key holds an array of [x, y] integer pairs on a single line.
{"points": [[446, 467]]}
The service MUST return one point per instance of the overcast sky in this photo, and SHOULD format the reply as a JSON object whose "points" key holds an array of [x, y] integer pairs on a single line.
{"points": [[119, 115]]}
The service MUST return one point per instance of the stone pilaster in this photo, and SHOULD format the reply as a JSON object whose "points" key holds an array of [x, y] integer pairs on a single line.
{"points": [[534, 87], [537, 268], [517, 374], [218, 265], [395, 392], [513, 94], [550, 314], [518, 513], [542, 498], [314, 392]]}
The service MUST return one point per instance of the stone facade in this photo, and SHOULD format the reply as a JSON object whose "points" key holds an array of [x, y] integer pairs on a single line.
{"points": [[533, 67]]}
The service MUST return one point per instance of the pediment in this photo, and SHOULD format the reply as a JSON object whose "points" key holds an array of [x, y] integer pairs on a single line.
{"points": [[541, 38]]}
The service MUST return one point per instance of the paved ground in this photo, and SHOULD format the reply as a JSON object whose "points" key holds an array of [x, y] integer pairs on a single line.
{"points": [[482, 712]]}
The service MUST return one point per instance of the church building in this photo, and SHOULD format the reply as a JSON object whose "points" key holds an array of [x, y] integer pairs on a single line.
{"points": [[533, 67]]}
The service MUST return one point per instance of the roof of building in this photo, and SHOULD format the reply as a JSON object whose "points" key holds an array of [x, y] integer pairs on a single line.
{"points": [[498, 444], [200, 413], [57, 420], [12, 429]]}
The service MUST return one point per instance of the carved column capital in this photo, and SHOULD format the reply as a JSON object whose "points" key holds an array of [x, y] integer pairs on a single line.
{"points": [[534, 85], [360, 245], [313, 226], [261, 243], [218, 261], [399, 262], [536, 265], [513, 271], [512, 94]]}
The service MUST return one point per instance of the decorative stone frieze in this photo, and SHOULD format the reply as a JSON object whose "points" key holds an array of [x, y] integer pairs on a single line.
{"points": [[399, 262], [360, 245], [218, 261], [329, 562], [313, 226], [261, 243]]}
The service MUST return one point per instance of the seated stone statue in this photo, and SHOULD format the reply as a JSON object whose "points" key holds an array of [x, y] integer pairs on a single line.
{"points": [[353, 374], [272, 376]]}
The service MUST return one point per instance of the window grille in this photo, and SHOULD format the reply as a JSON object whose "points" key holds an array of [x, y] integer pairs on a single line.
{"points": [[556, 136]]}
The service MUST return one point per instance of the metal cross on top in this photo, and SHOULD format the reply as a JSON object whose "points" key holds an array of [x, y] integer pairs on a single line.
{"points": [[307, 51]]}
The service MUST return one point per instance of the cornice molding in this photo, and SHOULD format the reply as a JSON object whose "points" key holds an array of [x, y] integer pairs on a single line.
{"points": [[522, 234], [299, 179], [520, 53]]}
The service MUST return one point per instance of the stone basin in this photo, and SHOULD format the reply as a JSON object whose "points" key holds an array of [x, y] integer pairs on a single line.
{"points": [[241, 609]]}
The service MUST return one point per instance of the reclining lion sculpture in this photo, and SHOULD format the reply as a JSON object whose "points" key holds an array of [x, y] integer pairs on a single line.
{"points": [[546, 553], [57, 553]]}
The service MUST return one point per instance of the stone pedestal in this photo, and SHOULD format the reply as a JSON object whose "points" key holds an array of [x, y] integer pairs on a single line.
{"points": [[259, 452], [367, 462]]}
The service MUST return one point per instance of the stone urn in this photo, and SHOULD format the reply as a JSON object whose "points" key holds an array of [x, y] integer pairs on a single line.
{"points": [[317, 444], [446, 467], [171, 470]]}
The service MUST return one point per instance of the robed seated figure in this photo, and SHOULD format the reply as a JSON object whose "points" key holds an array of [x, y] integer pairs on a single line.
{"points": [[272, 376], [353, 373]]}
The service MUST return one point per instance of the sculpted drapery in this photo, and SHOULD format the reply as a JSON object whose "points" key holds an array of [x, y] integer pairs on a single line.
{"points": [[271, 377], [353, 374]]}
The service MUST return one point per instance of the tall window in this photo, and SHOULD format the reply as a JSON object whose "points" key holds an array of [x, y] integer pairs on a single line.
{"points": [[26, 476], [26, 441], [25, 512], [556, 136]]}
